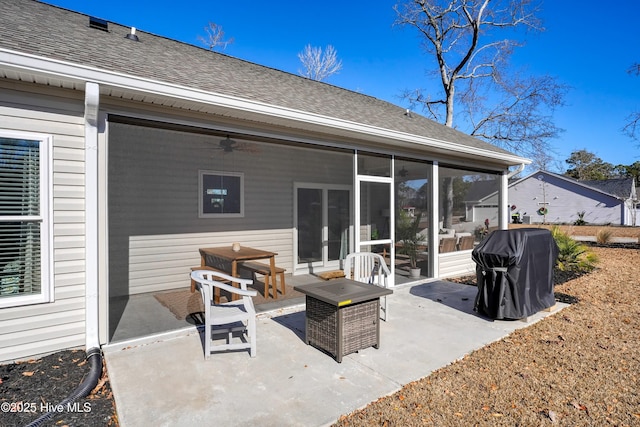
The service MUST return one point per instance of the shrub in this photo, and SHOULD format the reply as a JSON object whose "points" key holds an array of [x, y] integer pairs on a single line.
{"points": [[574, 256], [580, 220], [480, 232], [603, 236]]}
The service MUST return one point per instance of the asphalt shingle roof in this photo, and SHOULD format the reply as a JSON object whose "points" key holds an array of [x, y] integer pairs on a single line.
{"points": [[616, 187], [619, 187], [48, 31]]}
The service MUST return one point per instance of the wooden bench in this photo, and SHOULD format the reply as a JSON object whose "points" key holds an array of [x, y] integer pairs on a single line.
{"points": [[265, 270], [216, 295], [328, 275]]}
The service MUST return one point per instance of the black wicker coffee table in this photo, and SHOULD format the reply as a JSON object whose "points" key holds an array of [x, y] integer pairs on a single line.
{"points": [[342, 315]]}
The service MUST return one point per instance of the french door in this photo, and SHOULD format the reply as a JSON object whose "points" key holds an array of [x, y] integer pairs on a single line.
{"points": [[323, 226]]}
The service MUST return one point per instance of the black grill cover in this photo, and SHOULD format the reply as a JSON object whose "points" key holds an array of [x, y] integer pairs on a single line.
{"points": [[514, 269]]}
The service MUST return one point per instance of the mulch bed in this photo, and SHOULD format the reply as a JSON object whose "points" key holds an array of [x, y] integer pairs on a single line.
{"points": [[30, 389]]}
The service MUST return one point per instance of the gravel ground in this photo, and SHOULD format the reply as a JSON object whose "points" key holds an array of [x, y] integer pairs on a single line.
{"points": [[579, 367]]}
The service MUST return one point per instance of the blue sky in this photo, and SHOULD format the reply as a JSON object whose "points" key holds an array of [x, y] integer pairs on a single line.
{"points": [[585, 46]]}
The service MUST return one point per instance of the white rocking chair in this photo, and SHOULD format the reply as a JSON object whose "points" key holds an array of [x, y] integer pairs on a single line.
{"points": [[368, 267], [229, 320]]}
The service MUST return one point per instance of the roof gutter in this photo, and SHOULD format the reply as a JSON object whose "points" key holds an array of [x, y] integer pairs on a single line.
{"points": [[81, 74], [516, 171]]}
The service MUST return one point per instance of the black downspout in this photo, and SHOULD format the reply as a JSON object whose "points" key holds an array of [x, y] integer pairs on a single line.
{"points": [[94, 355]]}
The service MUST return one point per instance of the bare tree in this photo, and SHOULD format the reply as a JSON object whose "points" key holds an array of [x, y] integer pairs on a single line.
{"points": [[319, 65], [498, 104], [215, 37], [632, 128]]}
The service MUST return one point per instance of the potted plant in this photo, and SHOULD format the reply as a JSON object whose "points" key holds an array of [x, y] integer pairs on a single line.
{"points": [[407, 234]]}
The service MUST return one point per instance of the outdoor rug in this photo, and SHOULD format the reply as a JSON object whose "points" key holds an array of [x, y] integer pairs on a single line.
{"points": [[183, 303]]}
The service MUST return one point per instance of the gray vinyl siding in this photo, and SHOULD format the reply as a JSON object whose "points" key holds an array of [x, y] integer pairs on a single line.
{"points": [[158, 263], [154, 229], [36, 329]]}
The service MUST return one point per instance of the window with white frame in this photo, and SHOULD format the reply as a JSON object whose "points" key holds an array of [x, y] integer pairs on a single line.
{"points": [[221, 194], [24, 219]]}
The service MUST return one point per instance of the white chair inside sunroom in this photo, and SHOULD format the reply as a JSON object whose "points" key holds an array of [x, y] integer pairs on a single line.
{"points": [[368, 267], [229, 325]]}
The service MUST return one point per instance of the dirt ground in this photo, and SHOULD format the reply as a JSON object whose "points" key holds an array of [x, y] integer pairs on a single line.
{"points": [[580, 366]]}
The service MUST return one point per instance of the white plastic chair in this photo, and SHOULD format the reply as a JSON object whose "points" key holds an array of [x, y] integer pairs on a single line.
{"points": [[368, 267], [233, 319]]}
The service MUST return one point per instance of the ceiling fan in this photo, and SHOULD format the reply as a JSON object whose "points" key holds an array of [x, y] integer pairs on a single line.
{"points": [[228, 145]]}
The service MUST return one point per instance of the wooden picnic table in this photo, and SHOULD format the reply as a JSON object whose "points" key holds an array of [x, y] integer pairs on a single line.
{"points": [[226, 253]]}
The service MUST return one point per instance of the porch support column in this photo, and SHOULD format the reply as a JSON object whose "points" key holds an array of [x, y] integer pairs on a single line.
{"points": [[91, 107], [503, 201], [434, 220], [503, 197]]}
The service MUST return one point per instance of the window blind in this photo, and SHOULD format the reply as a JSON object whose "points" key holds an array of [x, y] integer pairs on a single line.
{"points": [[20, 218]]}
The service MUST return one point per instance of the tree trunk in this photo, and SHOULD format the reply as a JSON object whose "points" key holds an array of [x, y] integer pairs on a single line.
{"points": [[447, 202]]}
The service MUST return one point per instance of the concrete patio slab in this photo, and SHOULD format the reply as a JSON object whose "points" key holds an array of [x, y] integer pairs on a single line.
{"points": [[168, 382]]}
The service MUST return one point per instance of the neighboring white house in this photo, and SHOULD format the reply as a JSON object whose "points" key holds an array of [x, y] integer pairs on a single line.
{"points": [[121, 154], [557, 199]]}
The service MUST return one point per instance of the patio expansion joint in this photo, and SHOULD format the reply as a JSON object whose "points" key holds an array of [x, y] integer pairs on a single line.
{"points": [[375, 372], [149, 340], [282, 311]]}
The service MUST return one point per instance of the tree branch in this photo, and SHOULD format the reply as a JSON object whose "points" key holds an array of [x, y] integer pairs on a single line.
{"points": [[632, 128]]}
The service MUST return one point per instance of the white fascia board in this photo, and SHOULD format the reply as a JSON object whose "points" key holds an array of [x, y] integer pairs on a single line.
{"points": [[81, 74]]}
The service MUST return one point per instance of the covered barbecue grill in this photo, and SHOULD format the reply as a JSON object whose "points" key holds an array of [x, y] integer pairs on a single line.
{"points": [[514, 269]]}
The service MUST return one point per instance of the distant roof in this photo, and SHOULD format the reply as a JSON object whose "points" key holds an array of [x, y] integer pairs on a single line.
{"points": [[616, 187], [480, 189], [619, 187], [42, 30]]}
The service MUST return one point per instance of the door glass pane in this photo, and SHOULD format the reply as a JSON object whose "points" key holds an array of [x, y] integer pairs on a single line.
{"points": [[309, 225], [374, 212], [338, 227]]}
